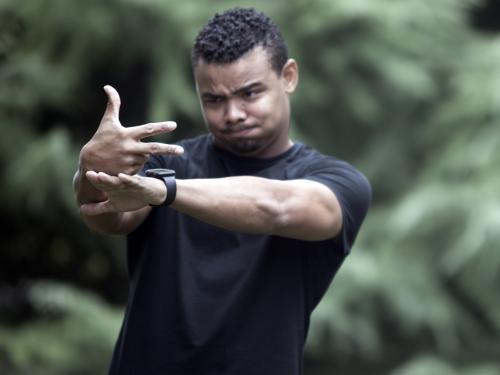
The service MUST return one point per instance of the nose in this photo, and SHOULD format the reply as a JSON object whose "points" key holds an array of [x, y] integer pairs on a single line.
{"points": [[235, 112]]}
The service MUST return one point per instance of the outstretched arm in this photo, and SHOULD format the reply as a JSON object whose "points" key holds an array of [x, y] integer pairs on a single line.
{"points": [[301, 209]]}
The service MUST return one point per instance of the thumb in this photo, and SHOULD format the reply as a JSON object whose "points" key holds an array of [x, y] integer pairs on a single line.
{"points": [[113, 106]]}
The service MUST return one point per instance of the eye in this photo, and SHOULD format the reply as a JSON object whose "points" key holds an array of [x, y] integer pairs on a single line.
{"points": [[250, 94], [212, 99]]}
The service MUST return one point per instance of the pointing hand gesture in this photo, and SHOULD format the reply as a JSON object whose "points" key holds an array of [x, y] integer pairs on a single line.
{"points": [[116, 149]]}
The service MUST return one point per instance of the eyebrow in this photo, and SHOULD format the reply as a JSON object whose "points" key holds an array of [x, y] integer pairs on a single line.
{"points": [[247, 87]]}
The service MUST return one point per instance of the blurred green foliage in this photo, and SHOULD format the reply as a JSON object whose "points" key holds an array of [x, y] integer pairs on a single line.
{"points": [[406, 90], [71, 332]]}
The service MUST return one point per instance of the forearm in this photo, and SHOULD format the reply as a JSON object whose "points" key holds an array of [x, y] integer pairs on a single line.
{"points": [[258, 206], [235, 203]]}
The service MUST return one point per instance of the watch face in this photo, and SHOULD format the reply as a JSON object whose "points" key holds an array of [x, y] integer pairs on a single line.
{"points": [[160, 172]]}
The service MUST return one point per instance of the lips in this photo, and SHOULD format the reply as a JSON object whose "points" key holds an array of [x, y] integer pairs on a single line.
{"points": [[238, 130]]}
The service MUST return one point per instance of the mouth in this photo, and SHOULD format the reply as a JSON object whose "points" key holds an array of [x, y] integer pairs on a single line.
{"points": [[238, 130]]}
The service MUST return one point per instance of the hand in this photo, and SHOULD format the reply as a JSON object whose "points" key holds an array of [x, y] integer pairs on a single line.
{"points": [[124, 193], [114, 148]]}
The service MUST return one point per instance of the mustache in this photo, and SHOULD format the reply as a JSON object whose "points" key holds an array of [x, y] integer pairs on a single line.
{"points": [[236, 128]]}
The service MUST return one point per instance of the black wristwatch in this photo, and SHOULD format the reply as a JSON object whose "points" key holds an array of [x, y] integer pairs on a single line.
{"points": [[167, 176]]}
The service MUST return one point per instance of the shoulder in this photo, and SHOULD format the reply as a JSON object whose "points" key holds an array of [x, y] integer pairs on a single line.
{"points": [[342, 177], [309, 161]]}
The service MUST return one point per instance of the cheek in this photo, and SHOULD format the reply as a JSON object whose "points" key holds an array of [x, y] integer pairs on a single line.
{"points": [[263, 109], [270, 111]]}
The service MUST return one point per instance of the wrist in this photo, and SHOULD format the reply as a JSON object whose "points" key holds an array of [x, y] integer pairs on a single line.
{"points": [[159, 192], [167, 178]]}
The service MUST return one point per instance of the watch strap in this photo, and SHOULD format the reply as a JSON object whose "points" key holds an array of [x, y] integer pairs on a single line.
{"points": [[168, 178], [171, 186]]}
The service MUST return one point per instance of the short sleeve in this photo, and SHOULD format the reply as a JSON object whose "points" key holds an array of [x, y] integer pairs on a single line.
{"points": [[353, 192]]}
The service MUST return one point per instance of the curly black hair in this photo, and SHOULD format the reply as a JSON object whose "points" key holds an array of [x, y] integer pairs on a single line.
{"points": [[228, 36]]}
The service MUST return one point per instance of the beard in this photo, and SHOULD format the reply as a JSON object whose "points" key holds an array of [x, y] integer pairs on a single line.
{"points": [[244, 147], [241, 147]]}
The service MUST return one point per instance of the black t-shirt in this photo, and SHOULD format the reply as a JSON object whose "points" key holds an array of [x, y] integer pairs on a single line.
{"points": [[207, 301]]}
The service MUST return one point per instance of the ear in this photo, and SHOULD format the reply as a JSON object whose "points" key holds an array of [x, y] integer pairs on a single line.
{"points": [[290, 75]]}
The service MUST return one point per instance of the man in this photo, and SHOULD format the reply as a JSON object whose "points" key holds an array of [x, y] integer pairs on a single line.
{"points": [[222, 280]]}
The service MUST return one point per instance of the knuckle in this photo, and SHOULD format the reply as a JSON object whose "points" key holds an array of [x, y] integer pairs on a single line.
{"points": [[175, 149], [154, 148], [129, 146], [118, 135], [122, 131]]}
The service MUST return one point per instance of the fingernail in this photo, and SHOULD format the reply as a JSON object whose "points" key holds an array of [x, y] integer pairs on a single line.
{"points": [[171, 125], [179, 150]]}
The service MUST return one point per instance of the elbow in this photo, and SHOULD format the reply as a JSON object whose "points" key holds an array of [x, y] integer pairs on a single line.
{"points": [[281, 222], [285, 221], [276, 213], [313, 222], [314, 230]]}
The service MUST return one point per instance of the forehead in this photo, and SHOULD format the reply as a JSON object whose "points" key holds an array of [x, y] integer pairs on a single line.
{"points": [[254, 66]]}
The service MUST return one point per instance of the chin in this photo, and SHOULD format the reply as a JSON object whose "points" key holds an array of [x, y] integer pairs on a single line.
{"points": [[243, 147]]}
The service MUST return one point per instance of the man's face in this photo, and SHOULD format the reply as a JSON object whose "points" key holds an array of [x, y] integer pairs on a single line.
{"points": [[245, 103]]}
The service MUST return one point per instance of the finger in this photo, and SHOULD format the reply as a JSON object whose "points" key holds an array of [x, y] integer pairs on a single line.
{"points": [[93, 178], [102, 181], [148, 148], [153, 128], [129, 180], [134, 180], [113, 106], [106, 179], [93, 209], [91, 175], [153, 190]]}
